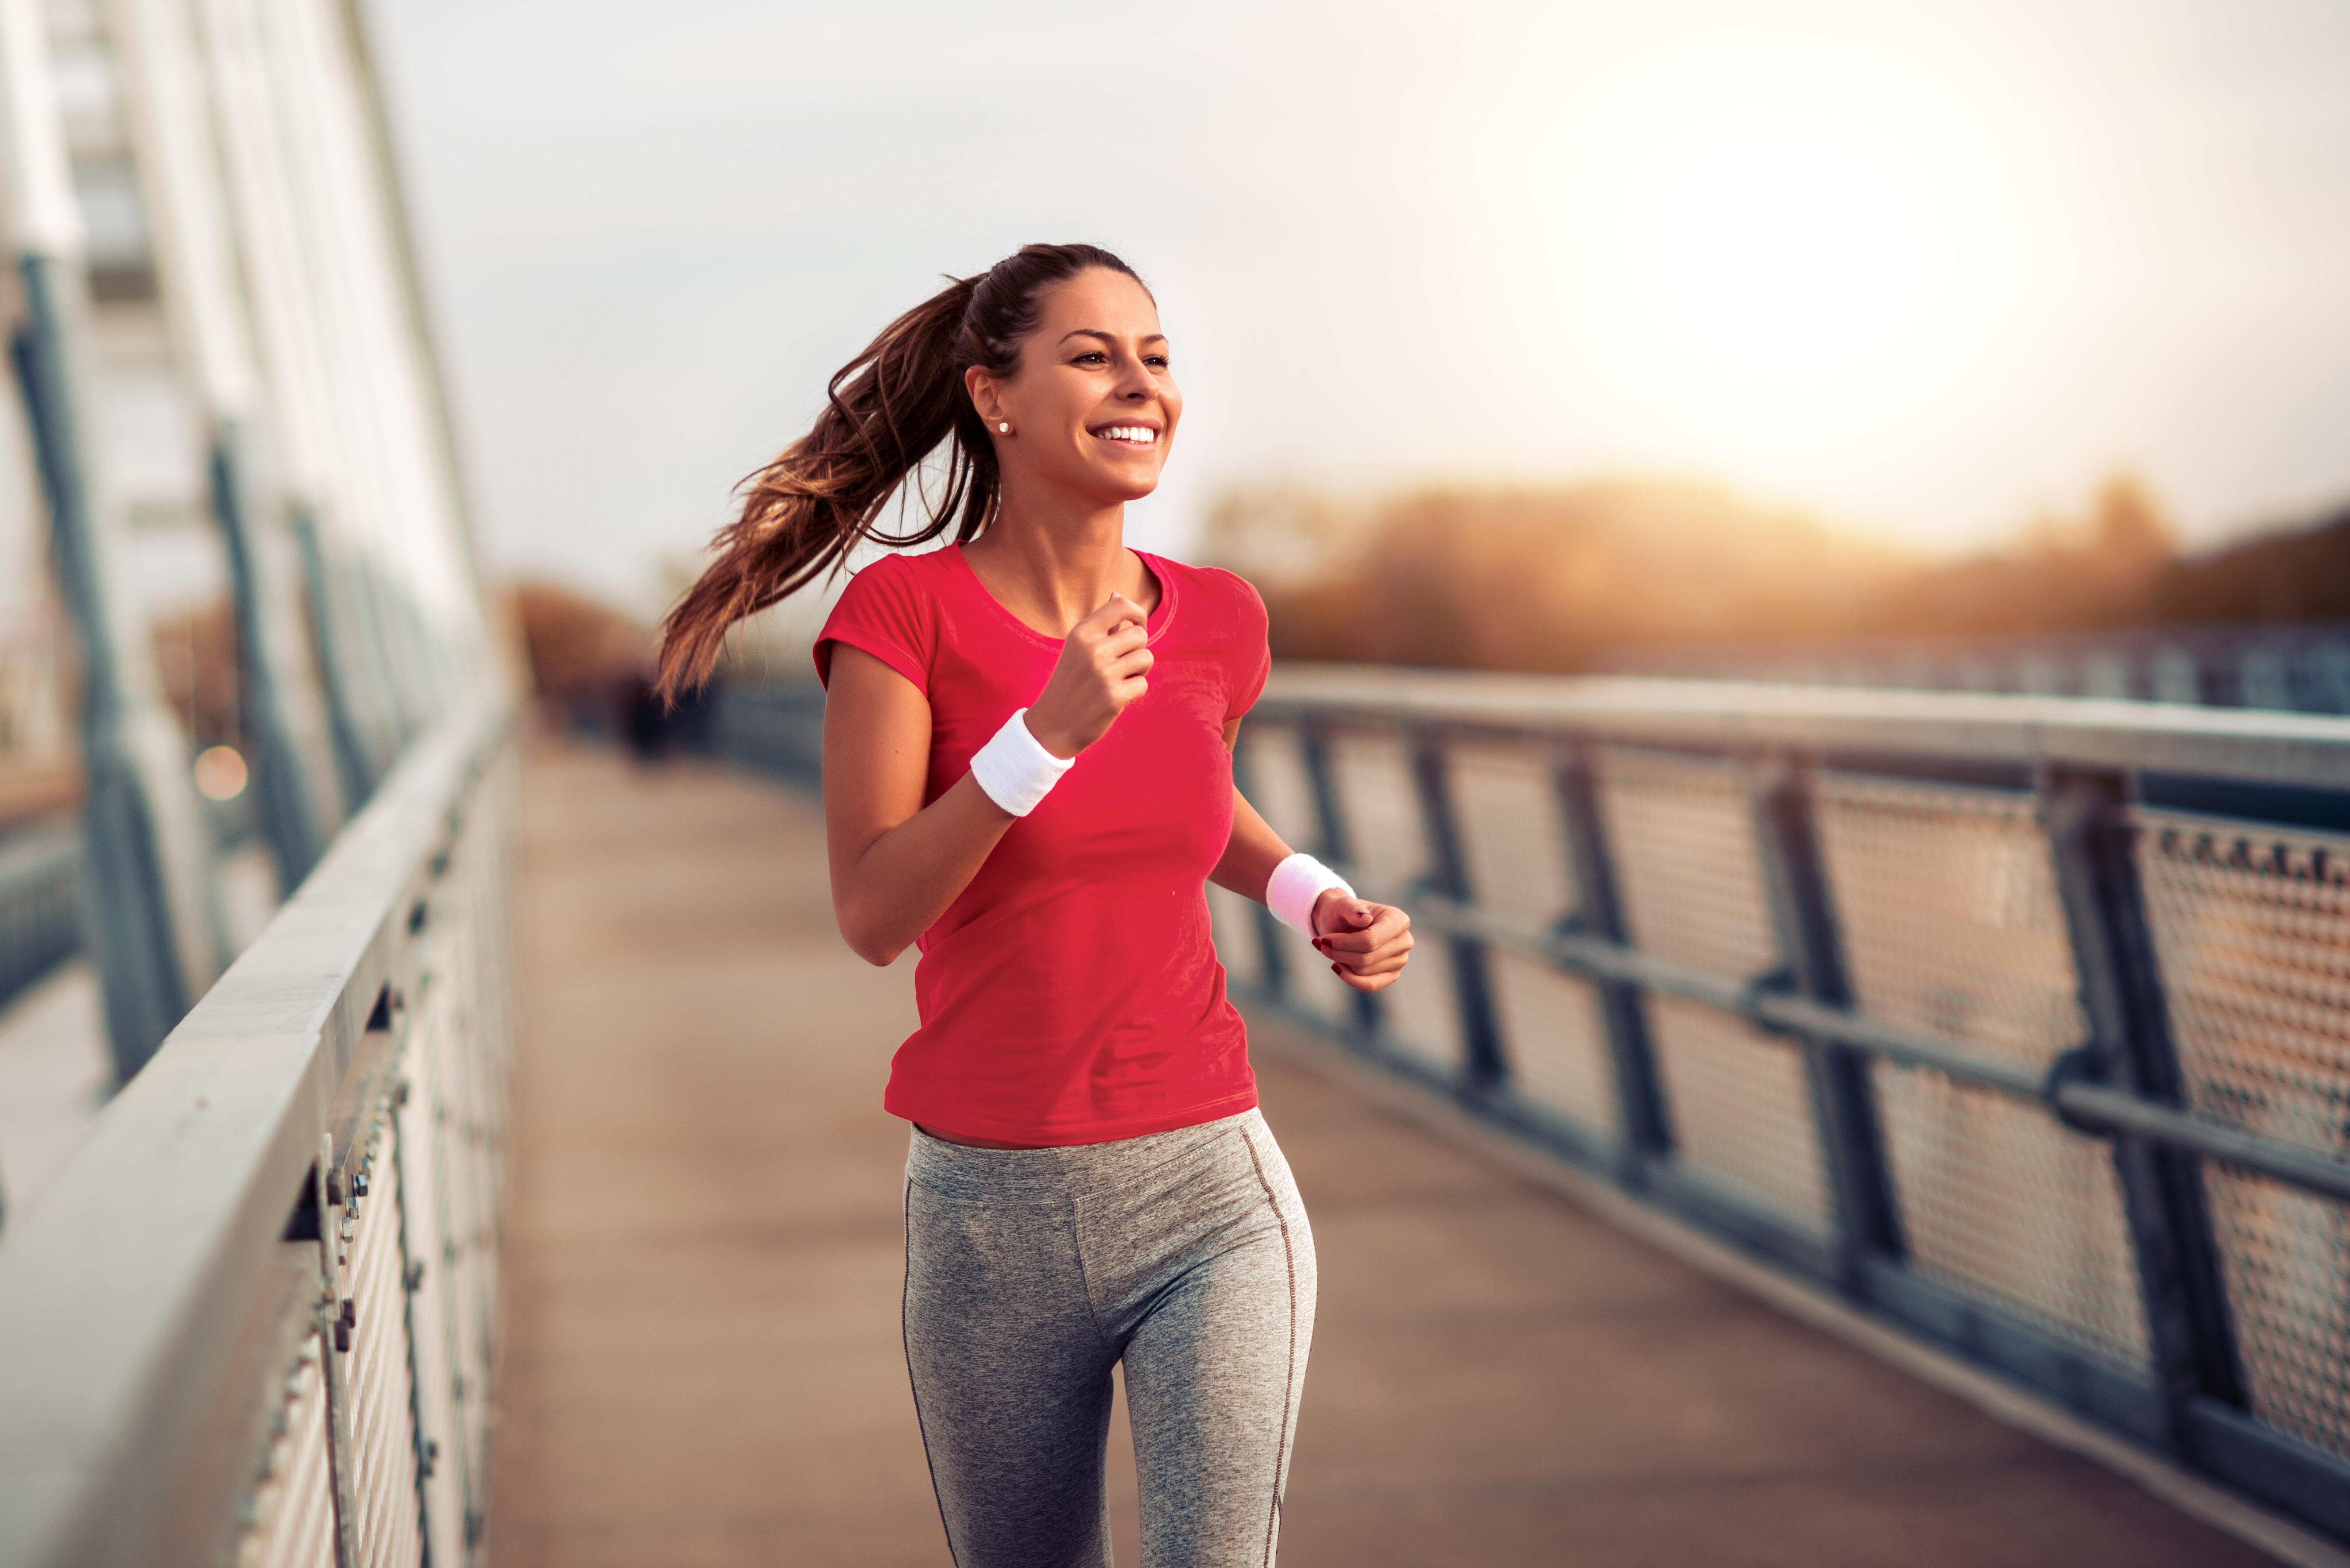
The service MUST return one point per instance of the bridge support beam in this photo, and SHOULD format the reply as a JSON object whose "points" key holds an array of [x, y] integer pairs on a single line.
{"points": [[1867, 1220], [1598, 912], [156, 929], [2192, 1349]]}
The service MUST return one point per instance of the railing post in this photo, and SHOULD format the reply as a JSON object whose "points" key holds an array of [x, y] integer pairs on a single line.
{"points": [[1648, 1133], [1842, 1100], [1483, 1067], [2193, 1350]]}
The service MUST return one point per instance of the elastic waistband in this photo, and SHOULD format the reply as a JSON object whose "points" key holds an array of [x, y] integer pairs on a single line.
{"points": [[1015, 1175]]}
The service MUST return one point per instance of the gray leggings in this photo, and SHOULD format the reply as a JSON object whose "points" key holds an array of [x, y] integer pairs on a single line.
{"points": [[1030, 1273]]}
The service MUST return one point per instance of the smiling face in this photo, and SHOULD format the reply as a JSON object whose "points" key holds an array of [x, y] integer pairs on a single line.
{"points": [[1092, 404]]}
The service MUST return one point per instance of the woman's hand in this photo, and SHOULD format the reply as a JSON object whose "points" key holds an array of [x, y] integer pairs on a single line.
{"points": [[1366, 944], [1102, 667]]}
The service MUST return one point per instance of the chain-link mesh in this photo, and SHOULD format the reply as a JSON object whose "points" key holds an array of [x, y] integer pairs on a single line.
{"points": [[2253, 930], [1680, 837], [1741, 1115], [2287, 1262], [1520, 865], [1946, 898], [1555, 1039], [1283, 791]]}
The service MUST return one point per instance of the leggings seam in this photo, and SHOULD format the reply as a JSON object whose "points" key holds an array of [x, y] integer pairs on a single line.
{"points": [[1289, 1372], [906, 1345]]}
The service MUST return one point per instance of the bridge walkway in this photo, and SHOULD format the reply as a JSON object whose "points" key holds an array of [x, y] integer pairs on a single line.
{"points": [[704, 1259]]}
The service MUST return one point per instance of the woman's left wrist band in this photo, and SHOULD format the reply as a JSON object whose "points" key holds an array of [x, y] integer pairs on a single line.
{"points": [[1014, 769], [1296, 886]]}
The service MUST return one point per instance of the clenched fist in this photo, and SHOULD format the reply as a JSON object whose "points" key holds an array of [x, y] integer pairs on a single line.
{"points": [[1102, 663], [1368, 944]]}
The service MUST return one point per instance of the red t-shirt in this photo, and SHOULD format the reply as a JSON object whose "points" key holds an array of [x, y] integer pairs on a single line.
{"points": [[1071, 995]]}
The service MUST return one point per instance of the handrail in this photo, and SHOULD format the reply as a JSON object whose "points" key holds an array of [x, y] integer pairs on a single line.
{"points": [[129, 1295], [2258, 746]]}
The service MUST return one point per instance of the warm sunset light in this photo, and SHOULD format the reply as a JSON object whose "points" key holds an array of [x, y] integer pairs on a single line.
{"points": [[1775, 261]]}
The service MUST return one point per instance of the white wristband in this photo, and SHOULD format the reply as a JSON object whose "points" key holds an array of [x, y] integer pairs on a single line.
{"points": [[1298, 882], [1015, 768]]}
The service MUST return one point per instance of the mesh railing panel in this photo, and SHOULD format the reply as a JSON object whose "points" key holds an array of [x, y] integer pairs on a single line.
{"points": [[1378, 803], [1238, 947], [1422, 1019], [376, 1367], [2002, 1204], [1519, 863], [1283, 791], [1554, 1039], [1947, 902], [472, 965], [2254, 931], [1681, 838], [2286, 1260], [289, 1520], [2252, 928], [1279, 786], [1388, 850], [1742, 1112], [1950, 919]]}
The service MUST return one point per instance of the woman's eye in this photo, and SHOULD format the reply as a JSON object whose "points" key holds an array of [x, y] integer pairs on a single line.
{"points": [[1156, 361], [1095, 356]]}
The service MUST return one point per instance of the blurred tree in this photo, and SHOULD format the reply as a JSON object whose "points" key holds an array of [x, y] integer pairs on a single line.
{"points": [[1552, 578]]}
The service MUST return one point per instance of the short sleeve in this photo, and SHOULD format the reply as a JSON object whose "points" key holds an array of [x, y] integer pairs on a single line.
{"points": [[1251, 660], [883, 612]]}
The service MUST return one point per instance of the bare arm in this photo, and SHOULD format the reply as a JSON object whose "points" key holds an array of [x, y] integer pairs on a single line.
{"points": [[1368, 944], [897, 864]]}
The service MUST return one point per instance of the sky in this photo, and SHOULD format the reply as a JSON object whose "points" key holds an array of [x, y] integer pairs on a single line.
{"points": [[1926, 270]]}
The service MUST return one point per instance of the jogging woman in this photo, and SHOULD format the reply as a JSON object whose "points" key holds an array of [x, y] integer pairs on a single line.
{"points": [[1027, 772]]}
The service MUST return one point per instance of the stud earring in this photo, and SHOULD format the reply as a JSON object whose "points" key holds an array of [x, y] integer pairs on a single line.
{"points": [[1004, 427]]}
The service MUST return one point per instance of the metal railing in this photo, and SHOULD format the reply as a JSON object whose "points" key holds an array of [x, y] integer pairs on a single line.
{"points": [[2024, 1023], [2303, 667], [770, 727], [40, 903], [253, 1319]]}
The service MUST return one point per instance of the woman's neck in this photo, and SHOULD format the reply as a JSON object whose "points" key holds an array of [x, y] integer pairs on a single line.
{"points": [[1052, 568]]}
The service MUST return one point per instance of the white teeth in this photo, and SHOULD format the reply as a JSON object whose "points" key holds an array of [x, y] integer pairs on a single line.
{"points": [[1140, 435]]}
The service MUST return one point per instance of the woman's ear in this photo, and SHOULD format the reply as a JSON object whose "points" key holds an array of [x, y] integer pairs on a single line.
{"points": [[985, 397]]}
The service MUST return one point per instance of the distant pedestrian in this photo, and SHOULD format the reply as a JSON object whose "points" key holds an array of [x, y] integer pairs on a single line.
{"points": [[1028, 772]]}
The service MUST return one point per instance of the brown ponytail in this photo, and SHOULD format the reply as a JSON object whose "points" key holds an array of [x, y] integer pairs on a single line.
{"points": [[886, 410]]}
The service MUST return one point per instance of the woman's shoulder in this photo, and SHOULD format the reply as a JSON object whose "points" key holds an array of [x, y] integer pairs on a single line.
{"points": [[900, 570], [1215, 589], [888, 608]]}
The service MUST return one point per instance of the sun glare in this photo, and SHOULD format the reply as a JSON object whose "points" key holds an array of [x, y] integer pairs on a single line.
{"points": [[1778, 251], [1791, 275]]}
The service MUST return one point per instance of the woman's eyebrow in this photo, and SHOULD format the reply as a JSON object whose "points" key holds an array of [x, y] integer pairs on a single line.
{"points": [[1110, 337]]}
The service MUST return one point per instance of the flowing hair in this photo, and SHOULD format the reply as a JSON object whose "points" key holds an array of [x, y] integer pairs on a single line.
{"points": [[885, 412]]}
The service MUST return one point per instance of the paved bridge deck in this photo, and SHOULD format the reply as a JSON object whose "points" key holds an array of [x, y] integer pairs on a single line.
{"points": [[702, 1363]]}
